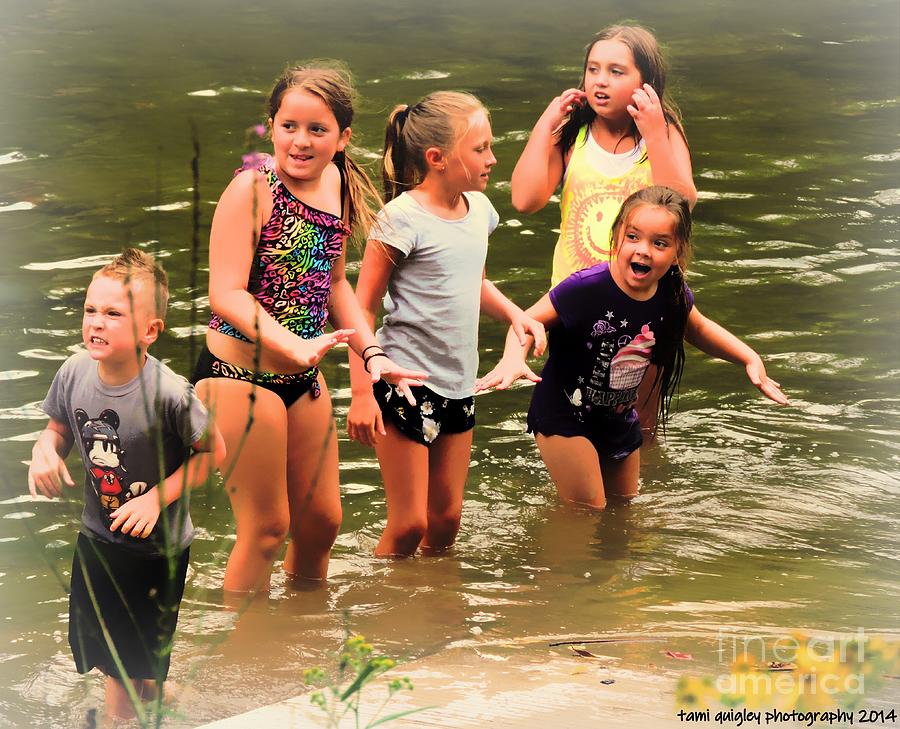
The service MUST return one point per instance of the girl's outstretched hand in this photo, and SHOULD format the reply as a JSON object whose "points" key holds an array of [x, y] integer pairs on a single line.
{"points": [[507, 371], [384, 368], [647, 111], [563, 105], [364, 421], [522, 324], [756, 371], [309, 352]]}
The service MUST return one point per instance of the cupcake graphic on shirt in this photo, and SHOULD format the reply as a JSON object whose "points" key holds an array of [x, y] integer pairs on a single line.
{"points": [[627, 368]]}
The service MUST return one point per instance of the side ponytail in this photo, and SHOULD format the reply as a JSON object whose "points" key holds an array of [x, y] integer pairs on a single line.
{"points": [[438, 120], [394, 173]]}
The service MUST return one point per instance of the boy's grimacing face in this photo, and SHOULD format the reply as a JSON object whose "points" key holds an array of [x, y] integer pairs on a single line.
{"points": [[115, 324]]}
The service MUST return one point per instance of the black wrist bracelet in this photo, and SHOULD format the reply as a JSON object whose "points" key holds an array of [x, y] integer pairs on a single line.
{"points": [[371, 346], [371, 357]]}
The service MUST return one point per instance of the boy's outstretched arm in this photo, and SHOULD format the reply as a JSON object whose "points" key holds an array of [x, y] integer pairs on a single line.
{"points": [[47, 471], [716, 341], [138, 516]]}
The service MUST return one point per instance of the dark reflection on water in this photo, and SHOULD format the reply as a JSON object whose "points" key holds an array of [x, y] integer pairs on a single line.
{"points": [[750, 517]]}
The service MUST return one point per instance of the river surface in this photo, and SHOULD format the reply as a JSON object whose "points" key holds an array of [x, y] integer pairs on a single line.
{"points": [[751, 518]]}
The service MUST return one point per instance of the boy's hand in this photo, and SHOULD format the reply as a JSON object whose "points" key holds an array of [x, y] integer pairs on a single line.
{"points": [[507, 371], [756, 371], [47, 472], [138, 516], [523, 324]]}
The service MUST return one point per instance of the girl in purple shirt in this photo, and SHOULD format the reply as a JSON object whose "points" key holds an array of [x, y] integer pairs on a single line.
{"points": [[607, 324]]}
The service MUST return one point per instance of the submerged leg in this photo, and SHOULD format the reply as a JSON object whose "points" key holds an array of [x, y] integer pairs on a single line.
{"points": [[404, 470], [574, 466], [313, 481], [256, 470], [448, 467]]}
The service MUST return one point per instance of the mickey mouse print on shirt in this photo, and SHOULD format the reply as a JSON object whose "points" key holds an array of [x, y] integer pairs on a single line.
{"points": [[106, 457]]}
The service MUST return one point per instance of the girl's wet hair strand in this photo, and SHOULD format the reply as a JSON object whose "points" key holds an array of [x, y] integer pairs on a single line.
{"points": [[668, 353]]}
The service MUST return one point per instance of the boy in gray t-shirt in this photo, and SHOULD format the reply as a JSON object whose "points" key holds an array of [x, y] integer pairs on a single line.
{"points": [[145, 441]]}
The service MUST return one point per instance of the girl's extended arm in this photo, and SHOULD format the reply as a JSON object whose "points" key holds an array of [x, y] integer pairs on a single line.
{"points": [[670, 159], [345, 311], [717, 341], [497, 306], [512, 366], [138, 516], [540, 167], [364, 418], [47, 471], [240, 213]]}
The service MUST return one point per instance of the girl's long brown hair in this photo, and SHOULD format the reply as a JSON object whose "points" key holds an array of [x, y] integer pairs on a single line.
{"points": [[668, 352], [652, 66], [332, 83]]}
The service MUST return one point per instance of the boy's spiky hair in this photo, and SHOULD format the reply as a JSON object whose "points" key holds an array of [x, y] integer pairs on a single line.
{"points": [[133, 264]]}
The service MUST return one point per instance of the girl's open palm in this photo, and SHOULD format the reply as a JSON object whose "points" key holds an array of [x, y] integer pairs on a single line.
{"points": [[309, 352], [505, 373], [384, 368], [756, 371]]}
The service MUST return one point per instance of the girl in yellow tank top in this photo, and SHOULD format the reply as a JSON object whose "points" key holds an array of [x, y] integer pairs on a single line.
{"points": [[613, 135], [620, 118], [594, 186]]}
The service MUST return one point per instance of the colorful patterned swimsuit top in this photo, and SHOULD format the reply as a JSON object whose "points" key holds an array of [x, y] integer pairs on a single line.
{"points": [[290, 274], [596, 184]]}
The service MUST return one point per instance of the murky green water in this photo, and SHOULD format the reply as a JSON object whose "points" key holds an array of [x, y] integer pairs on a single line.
{"points": [[751, 518]]}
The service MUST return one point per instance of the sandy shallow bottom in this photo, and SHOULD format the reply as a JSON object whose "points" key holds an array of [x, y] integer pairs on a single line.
{"points": [[502, 687], [533, 685]]}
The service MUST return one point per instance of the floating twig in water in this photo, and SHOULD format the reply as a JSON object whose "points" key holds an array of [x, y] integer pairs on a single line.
{"points": [[607, 640]]}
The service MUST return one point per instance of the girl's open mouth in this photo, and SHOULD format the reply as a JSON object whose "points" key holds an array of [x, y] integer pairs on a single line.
{"points": [[639, 269]]}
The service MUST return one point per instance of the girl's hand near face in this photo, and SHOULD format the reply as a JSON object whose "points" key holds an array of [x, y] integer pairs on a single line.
{"points": [[563, 105], [647, 112]]}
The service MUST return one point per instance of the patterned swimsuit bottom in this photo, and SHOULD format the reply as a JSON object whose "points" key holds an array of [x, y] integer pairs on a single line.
{"points": [[289, 387]]}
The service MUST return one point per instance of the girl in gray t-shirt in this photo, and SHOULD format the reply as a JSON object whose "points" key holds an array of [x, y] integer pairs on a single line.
{"points": [[425, 258]]}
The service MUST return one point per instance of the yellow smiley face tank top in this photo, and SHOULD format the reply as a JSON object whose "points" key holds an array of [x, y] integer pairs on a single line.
{"points": [[595, 185]]}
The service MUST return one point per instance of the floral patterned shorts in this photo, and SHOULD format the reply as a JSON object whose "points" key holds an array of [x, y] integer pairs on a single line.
{"points": [[432, 414]]}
